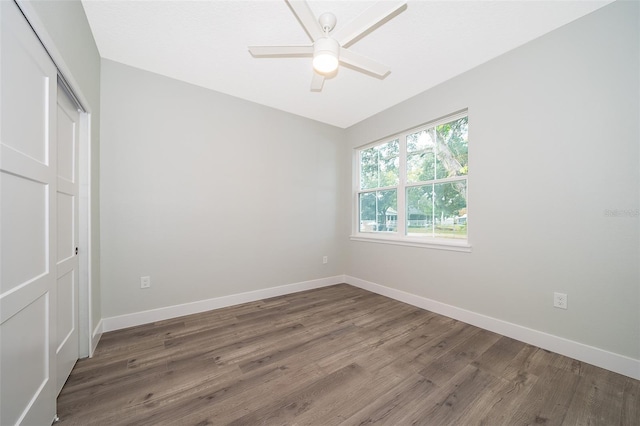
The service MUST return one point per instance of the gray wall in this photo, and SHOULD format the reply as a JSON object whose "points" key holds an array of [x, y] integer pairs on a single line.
{"points": [[553, 129], [67, 25], [211, 195]]}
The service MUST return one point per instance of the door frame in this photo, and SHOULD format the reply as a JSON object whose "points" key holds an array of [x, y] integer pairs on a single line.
{"points": [[89, 333]]}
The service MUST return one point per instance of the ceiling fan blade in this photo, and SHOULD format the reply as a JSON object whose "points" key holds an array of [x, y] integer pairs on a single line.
{"points": [[364, 63], [368, 21], [317, 81], [281, 50], [307, 19]]}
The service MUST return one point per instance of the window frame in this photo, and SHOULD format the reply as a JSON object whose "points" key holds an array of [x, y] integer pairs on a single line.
{"points": [[400, 237]]}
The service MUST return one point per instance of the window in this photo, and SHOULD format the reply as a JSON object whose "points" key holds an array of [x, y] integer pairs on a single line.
{"points": [[412, 187]]}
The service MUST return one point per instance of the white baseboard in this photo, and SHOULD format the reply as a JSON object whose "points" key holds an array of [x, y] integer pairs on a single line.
{"points": [[168, 312], [95, 338], [589, 354]]}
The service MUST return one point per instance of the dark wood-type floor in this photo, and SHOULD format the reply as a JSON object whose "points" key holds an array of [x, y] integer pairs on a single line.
{"points": [[336, 355]]}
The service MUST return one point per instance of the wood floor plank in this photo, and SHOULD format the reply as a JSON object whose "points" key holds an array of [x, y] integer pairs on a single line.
{"points": [[499, 356], [529, 363], [443, 342], [454, 399], [549, 400], [335, 355], [448, 364], [598, 398], [290, 406], [295, 349], [494, 405], [630, 402], [225, 400], [393, 406], [149, 391], [264, 390], [378, 348], [345, 405]]}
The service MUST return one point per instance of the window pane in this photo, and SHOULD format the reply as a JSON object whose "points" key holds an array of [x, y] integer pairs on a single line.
{"points": [[369, 168], [421, 158], [438, 210], [389, 171], [379, 165], [420, 167], [452, 148], [439, 152], [420, 141], [378, 211]]}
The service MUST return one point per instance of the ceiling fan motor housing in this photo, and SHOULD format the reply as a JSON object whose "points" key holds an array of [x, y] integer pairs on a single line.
{"points": [[326, 52]]}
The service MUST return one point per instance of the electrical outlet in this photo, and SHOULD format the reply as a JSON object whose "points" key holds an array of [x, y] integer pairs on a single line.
{"points": [[325, 259], [560, 300], [145, 282]]}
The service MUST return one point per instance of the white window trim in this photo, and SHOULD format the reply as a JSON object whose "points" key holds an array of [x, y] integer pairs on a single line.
{"points": [[398, 238]]}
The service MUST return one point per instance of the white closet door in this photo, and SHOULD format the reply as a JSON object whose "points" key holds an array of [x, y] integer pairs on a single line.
{"points": [[28, 222], [67, 348]]}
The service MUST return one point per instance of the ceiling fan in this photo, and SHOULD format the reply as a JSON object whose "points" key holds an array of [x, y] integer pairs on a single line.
{"points": [[328, 50]]}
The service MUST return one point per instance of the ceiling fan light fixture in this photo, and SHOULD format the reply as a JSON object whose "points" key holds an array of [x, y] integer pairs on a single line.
{"points": [[325, 55], [327, 51]]}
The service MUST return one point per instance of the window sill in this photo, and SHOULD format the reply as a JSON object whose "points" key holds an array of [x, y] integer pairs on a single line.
{"points": [[438, 244]]}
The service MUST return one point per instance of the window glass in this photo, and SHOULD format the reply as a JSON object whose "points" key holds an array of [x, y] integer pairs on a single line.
{"points": [[437, 210], [421, 156], [378, 211], [452, 148], [379, 165]]}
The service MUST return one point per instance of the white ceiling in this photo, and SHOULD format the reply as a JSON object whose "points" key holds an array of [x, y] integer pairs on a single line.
{"points": [[205, 43]]}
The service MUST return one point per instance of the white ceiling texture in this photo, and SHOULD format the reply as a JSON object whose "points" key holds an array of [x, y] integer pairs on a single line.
{"points": [[205, 43]]}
